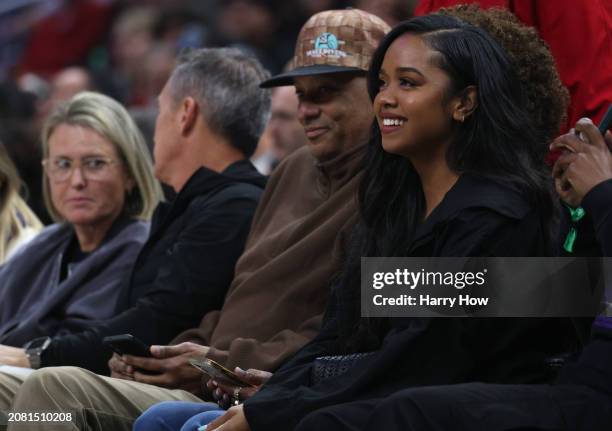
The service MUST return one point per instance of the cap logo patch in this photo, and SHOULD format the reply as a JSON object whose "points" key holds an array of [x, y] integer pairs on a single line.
{"points": [[326, 45]]}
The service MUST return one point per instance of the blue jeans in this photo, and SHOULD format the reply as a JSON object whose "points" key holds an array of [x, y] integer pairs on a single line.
{"points": [[177, 415]]}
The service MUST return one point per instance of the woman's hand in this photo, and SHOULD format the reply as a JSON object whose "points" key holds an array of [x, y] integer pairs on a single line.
{"points": [[14, 356], [224, 394], [233, 420]]}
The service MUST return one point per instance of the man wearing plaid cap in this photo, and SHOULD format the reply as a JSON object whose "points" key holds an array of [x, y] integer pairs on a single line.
{"points": [[311, 194]]}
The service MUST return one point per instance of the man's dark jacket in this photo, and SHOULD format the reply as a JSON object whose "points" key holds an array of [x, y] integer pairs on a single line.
{"points": [[183, 270]]}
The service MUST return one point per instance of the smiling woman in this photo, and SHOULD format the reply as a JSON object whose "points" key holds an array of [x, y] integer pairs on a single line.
{"points": [[99, 188]]}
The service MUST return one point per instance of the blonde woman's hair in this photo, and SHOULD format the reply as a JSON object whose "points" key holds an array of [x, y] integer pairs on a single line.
{"points": [[110, 120], [15, 215]]}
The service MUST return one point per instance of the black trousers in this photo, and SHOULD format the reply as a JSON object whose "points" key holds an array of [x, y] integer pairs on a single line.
{"points": [[473, 407]]}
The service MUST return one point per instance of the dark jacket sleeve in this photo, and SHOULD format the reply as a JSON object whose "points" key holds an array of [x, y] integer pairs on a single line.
{"points": [[598, 205], [191, 280], [410, 353], [593, 368]]}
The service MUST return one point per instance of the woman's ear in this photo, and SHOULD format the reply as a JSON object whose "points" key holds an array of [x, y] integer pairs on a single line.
{"points": [[465, 103]]}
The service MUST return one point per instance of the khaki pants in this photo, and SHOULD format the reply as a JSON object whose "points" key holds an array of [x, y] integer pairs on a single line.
{"points": [[94, 402]]}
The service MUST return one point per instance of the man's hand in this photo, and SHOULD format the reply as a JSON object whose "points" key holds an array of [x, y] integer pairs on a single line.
{"points": [[13, 356], [119, 369], [223, 393], [584, 163], [169, 367], [233, 420]]}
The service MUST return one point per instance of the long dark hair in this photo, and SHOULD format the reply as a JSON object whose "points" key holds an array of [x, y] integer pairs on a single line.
{"points": [[497, 141]]}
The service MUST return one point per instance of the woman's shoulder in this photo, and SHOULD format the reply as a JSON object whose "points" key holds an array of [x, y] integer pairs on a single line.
{"points": [[126, 232], [488, 217], [137, 228], [52, 232], [25, 235], [44, 243], [482, 231], [479, 197]]}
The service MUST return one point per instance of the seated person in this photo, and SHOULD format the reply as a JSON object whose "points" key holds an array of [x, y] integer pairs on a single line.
{"points": [[100, 189], [581, 397], [18, 224]]}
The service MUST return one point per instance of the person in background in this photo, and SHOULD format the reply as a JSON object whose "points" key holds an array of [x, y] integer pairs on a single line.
{"points": [[257, 26], [285, 129], [284, 134], [21, 140], [18, 224], [63, 86], [262, 158], [391, 11], [68, 82], [100, 189], [131, 40], [65, 36]]}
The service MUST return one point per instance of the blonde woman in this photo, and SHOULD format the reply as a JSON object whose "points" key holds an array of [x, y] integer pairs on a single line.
{"points": [[100, 189], [18, 224]]}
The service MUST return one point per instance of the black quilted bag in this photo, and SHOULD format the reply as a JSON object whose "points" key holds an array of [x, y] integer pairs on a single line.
{"points": [[332, 366]]}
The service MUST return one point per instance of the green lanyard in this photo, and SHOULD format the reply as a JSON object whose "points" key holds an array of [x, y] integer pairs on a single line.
{"points": [[576, 214]]}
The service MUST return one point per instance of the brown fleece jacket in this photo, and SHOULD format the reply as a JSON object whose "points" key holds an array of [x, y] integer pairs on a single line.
{"points": [[282, 281]]}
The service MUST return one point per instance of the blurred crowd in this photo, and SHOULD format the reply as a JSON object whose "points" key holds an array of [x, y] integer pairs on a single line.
{"points": [[52, 49]]}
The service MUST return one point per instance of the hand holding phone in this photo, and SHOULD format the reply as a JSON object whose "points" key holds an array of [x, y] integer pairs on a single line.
{"points": [[219, 373], [127, 344], [587, 163], [224, 394], [606, 121]]}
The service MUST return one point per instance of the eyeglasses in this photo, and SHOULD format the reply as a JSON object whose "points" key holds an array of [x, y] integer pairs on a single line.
{"points": [[92, 168]]}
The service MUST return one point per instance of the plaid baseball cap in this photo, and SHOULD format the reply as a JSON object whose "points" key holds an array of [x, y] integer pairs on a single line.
{"points": [[333, 41]]}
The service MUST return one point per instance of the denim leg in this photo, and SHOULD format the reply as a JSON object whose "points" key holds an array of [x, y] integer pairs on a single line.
{"points": [[170, 415], [201, 419]]}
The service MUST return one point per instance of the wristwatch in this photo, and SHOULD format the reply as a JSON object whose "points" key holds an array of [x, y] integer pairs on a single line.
{"points": [[35, 348]]}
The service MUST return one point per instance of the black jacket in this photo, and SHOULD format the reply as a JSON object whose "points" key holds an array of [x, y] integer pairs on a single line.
{"points": [[476, 218], [594, 366], [183, 270]]}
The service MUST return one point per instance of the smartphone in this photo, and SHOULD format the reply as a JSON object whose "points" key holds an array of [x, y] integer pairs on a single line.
{"points": [[218, 372], [606, 121], [127, 344]]}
